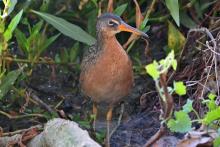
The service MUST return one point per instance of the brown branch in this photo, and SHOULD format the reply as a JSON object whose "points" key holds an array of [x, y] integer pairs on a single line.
{"points": [[39, 101], [169, 99], [38, 127], [156, 136], [21, 116], [167, 110]]}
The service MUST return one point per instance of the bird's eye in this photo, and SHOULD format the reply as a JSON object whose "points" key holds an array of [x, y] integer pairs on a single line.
{"points": [[111, 23]]}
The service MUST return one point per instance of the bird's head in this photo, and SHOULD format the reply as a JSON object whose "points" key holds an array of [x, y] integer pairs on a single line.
{"points": [[111, 24]]}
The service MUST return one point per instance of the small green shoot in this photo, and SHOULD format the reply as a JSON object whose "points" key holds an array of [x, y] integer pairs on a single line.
{"points": [[156, 68], [187, 108]]}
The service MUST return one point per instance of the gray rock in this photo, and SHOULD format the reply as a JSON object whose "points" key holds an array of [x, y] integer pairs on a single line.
{"points": [[62, 133]]}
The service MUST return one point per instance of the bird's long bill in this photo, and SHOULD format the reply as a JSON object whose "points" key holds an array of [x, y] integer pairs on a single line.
{"points": [[125, 27]]}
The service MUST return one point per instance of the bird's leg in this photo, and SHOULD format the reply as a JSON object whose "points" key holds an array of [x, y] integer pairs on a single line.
{"points": [[95, 112], [119, 119], [108, 118]]}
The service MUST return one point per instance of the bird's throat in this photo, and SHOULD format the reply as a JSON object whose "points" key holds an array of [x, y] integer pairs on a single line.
{"points": [[104, 39]]}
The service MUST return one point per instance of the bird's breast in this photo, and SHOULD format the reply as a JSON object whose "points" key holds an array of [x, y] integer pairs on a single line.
{"points": [[111, 77]]}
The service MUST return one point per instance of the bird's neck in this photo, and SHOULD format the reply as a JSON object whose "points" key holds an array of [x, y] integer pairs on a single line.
{"points": [[104, 39]]}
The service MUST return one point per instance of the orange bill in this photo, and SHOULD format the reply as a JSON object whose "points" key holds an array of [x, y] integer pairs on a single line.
{"points": [[125, 27]]}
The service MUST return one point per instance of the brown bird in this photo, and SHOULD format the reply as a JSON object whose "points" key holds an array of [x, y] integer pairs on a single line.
{"points": [[106, 69]]}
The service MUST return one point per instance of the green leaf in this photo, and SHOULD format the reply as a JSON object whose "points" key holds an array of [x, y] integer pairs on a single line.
{"points": [[21, 40], [152, 70], [211, 102], [181, 124], [57, 58], [176, 40], [2, 26], [45, 5], [120, 9], [64, 55], [188, 106], [179, 88], [167, 62], [205, 6], [8, 81], [68, 29], [211, 96], [186, 20], [144, 23], [36, 28], [74, 52], [173, 7], [13, 24], [216, 142], [211, 116], [49, 42], [91, 22]]}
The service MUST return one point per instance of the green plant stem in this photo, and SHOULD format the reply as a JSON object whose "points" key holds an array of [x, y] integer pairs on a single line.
{"points": [[130, 46], [159, 90], [196, 120], [196, 113], [151, 8], [159, 19]]}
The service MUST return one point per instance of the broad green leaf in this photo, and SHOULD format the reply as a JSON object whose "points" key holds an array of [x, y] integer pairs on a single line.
{"points": [[8, 81], [120, 9], [179, 88], [68, 29], [181, 123], [188, 106], [211, 116], [173, 7], [176, 40], [152, 70], [13, 24]]}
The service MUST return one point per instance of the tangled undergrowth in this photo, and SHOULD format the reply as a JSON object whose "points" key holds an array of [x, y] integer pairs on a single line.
{"points": [[40, 54]]}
